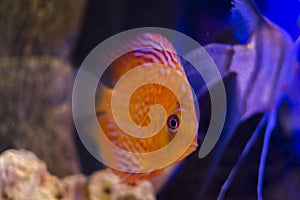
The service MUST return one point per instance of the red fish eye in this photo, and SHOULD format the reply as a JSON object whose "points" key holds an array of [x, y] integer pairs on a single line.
{"points": [[173, 123]]}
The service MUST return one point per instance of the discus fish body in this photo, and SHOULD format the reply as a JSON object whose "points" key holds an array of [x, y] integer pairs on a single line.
{"points": [[147, 49]]}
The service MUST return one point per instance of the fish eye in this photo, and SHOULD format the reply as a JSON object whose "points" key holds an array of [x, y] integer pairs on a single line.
{"points": [[173, 123]]}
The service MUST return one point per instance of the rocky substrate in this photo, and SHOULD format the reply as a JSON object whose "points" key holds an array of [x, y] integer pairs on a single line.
{"points": [[24, 176]]}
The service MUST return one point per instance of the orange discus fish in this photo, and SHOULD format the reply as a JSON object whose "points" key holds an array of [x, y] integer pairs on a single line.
{"points": [[147, 49]]}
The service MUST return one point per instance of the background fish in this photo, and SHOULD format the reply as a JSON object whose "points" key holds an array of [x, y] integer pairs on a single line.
{"points": [[262, 75], [148, 48]]}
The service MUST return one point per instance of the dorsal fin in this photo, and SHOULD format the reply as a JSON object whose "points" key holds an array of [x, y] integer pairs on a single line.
{"points": [[245, 19], [141, 49]]}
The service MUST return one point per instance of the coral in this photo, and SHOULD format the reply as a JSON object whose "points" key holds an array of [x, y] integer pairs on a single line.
{"points": [[106, 185], [76, 187], [35, 110], [36, 38], [24, 176], [37, 26]]}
